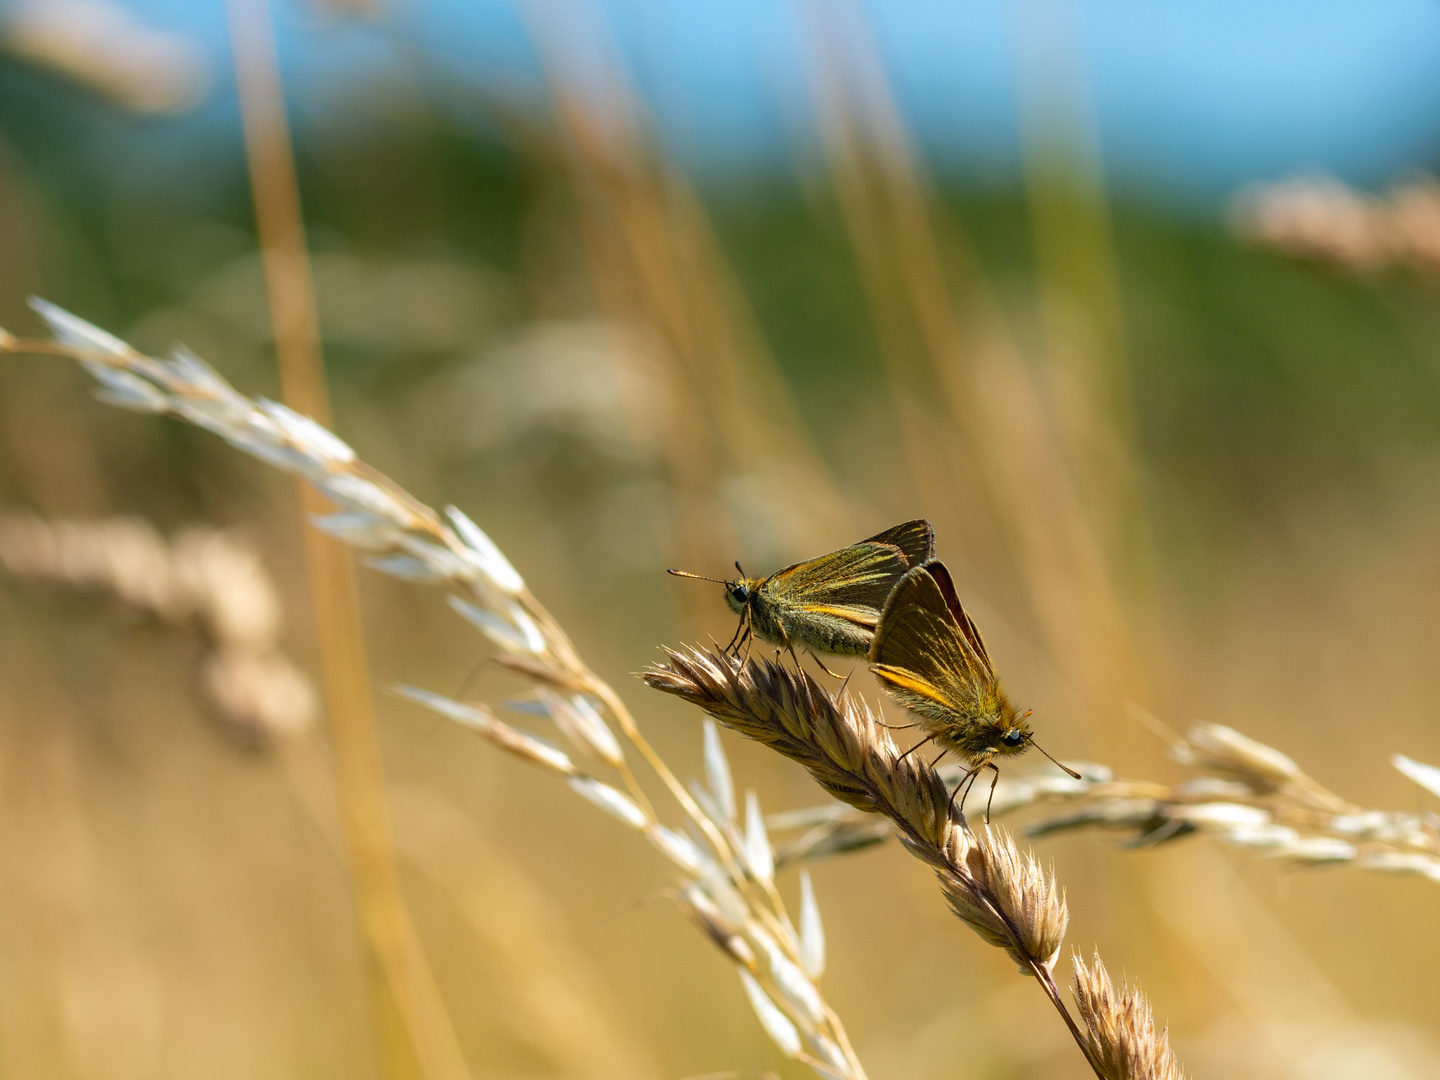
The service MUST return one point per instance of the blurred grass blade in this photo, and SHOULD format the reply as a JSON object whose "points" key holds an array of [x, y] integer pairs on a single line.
{"points": [[717, 771], [812, 930]]}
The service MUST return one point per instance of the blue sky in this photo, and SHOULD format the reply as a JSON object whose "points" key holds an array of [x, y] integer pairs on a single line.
{"points": [[1192, 98]]}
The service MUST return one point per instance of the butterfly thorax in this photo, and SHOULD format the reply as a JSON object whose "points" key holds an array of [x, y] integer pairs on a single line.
{"points": [[982, 726]]}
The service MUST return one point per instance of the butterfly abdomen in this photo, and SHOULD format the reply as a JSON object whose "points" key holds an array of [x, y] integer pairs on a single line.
{"points": [[820, 628]]}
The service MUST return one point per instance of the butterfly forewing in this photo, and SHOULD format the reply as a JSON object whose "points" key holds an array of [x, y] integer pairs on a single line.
{"points": [[920, 651], [859, 576], [915, 539], [932, 660], [967, 625]]}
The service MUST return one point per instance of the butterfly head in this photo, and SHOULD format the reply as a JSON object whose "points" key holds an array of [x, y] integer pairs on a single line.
{"points": [[739, 594], [1012, 735]]}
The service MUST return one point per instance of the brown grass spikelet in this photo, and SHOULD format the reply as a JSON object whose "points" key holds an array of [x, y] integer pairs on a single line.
{"points": [[1003, 896], [1119, 1028], [1015, 886], [1007, 898], [840, 742]]}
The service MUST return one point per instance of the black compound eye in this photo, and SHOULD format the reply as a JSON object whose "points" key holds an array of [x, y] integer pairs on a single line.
{"points": [[740, 593], [1013, 737]]}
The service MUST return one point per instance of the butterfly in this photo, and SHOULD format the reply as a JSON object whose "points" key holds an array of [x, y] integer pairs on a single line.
{"points": [[829, 604], [930, 656]]}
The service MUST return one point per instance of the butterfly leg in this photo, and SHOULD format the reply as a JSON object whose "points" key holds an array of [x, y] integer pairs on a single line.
{"points": [[917, 746], [896, 727], [950, 810], [966, 782], [823, 668], [789, 646], [993, 781], [735, 641]]}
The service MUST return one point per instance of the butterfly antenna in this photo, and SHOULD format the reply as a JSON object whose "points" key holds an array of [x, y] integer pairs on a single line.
{"points": [[738, 567], [1069, 771], [698, 577]]}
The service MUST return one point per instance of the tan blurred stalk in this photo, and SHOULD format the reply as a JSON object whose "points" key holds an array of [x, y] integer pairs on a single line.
{"points": [[551, 999], [1086, 354], [414, 1027], [657, 266], [952, 347], [81, 995]]}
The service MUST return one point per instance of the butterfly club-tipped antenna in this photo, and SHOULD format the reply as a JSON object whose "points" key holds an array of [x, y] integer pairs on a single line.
{"points": [[698, 577], [736, 640], [1031, 741], [1063, 768]]}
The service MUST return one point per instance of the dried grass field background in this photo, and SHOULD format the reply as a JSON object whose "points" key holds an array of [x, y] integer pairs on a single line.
{"points": [[1182, 473]]}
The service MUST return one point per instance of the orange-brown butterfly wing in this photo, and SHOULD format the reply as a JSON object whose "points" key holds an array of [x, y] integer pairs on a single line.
{"points": [[852, 583], [946, 584], [922, 654], [915, 539]]}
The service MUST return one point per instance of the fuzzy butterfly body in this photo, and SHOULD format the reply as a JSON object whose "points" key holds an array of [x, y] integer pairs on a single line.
{"points": [[830, 604]]}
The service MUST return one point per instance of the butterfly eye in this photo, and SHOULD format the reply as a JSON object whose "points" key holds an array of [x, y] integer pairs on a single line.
{"points": [[1013, 737], [740, 593]]}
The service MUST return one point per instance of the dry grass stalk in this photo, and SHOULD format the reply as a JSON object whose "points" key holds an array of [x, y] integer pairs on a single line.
{"points": [[1119, 1028], [1248, 795], [727, 869], [956, 370], [656, 264], [1003, 896], [404, 995], [203, 577], [549, 998]]}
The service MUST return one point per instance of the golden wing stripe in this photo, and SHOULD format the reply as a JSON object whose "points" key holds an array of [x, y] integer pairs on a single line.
{"points": [[908, 681], [860, 616]]}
